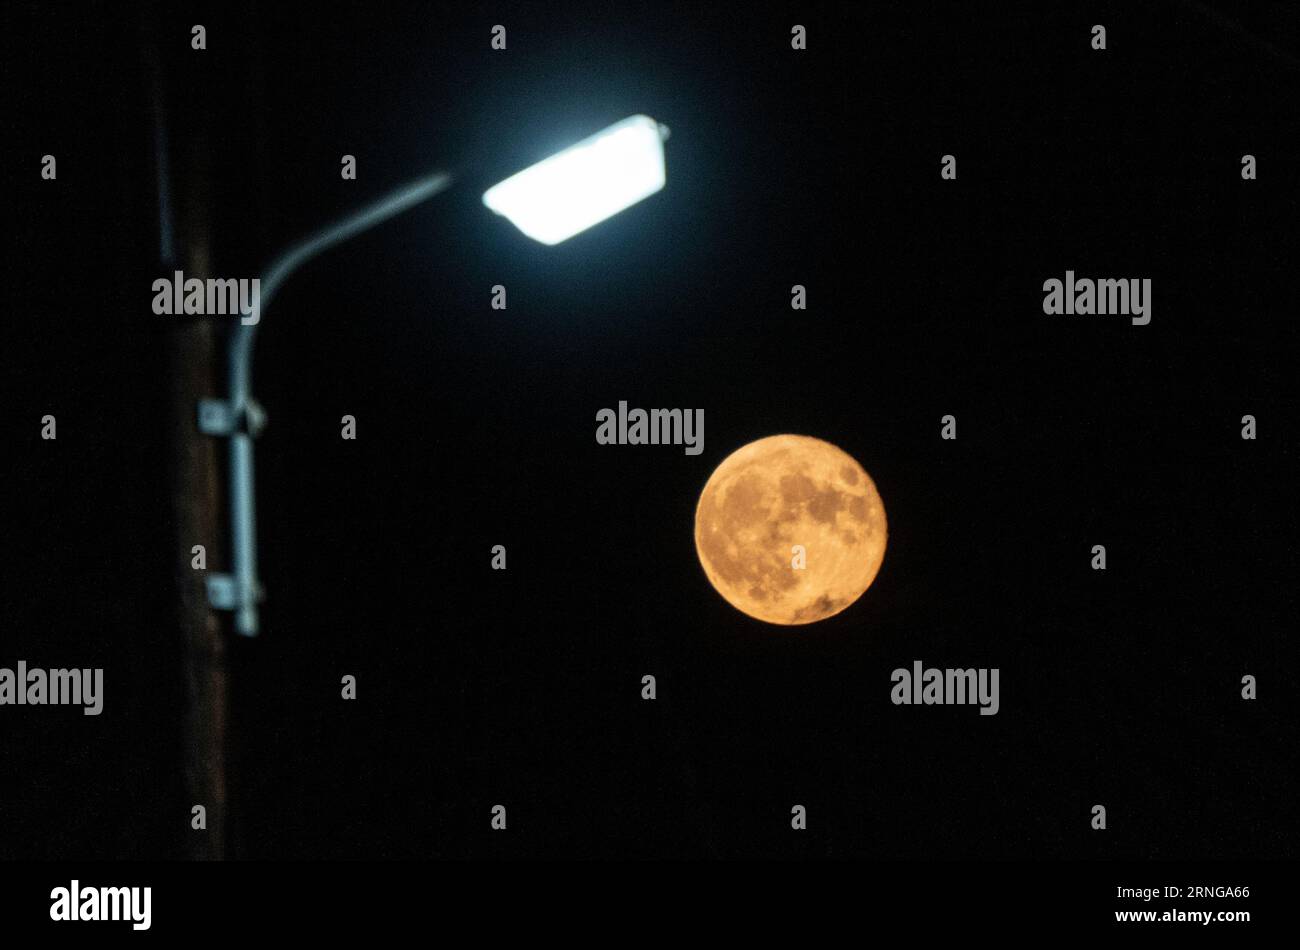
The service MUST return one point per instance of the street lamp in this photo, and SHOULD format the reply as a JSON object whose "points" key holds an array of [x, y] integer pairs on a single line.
{"points": [[586, 183], [550, 202]]}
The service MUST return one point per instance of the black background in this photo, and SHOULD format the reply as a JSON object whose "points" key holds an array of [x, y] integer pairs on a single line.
{"points": [[476, 427]]}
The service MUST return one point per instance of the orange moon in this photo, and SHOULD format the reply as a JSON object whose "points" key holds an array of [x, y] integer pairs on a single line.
{"points": [[782, 491]]}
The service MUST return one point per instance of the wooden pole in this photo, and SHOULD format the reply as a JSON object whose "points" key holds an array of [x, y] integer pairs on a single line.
{"points": [[193, 356]]}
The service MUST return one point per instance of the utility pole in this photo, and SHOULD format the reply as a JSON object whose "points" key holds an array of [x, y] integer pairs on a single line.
{"points": [[185, 239]]}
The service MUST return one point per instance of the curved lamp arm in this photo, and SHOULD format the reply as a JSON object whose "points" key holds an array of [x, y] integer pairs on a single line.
{"points": [[239, 417]]}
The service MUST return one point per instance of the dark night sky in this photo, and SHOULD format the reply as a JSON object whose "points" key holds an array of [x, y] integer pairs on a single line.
{"points": [[476, 427]]}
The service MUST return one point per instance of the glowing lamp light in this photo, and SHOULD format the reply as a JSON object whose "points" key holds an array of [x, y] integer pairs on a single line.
{"points": [[586, 183]]}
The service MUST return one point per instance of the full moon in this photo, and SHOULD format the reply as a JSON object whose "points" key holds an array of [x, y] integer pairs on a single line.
{"points": [[790, 529]]}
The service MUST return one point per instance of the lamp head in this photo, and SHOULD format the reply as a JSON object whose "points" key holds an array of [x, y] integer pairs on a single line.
{"points": [[585, 183]]}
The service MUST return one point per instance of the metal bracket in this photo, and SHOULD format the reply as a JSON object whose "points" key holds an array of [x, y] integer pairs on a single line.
{"points": [[225, 593], [216, 417], [239, 420]]}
